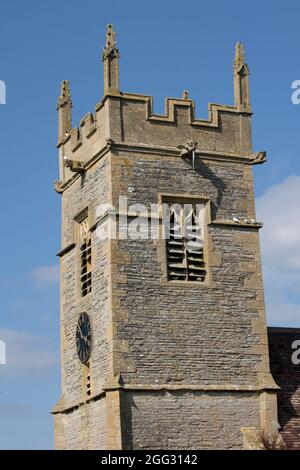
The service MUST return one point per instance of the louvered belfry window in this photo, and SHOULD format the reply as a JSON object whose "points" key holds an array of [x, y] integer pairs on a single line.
{"points": [[185, 243], [85, 259]]}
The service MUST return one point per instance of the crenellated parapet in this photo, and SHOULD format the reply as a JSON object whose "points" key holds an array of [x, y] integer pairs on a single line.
{"points": [[127, 121]]}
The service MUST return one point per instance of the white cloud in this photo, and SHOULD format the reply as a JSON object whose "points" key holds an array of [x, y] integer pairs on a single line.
{"points": [[279, 209], [45, 275], [26, 353]]}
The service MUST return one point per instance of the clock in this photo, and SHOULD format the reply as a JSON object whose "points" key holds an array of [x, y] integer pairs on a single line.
{"points": [[84, 338]]}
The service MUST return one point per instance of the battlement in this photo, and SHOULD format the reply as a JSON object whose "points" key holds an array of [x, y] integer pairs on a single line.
{"points": [[127, 120]]}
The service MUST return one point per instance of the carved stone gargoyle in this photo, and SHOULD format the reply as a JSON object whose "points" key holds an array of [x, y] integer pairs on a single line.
{"points": [[74, 165], [258, 158], [188, 150]]}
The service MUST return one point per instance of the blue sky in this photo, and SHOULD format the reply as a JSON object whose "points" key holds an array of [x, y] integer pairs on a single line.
{"points": [[166, 47]]}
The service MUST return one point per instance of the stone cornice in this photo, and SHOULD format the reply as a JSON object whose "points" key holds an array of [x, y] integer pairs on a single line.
{"points": [[66, 249], [229, 223], [132, 147], [61, 407], [175, 152]]}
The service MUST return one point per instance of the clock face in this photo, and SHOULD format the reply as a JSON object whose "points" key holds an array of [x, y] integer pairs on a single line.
{"points": [[84, 338]]}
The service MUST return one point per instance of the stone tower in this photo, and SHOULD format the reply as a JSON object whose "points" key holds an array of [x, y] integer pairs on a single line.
{"points": [[161, 347]]}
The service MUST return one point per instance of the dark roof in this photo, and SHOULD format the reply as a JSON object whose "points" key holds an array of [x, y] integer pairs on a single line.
{"points": [[287, 376]]}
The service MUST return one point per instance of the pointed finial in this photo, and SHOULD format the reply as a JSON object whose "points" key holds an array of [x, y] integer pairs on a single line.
{"points": [[111, 43], [64, 108], [65, 95], [239, 54], [185, 95], [241, 80], [110, 57], [110, 36]]}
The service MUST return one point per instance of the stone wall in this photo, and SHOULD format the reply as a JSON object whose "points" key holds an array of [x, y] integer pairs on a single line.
{"points": [[182, 333], [84, 427], [80, 422], [81, 195], [187, 420]]}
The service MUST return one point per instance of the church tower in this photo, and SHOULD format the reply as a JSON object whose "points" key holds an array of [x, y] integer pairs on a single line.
{"points": [[163, 333]]}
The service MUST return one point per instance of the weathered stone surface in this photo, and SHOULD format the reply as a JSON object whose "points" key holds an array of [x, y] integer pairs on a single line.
{"points": [[187, 420], [85, 427], [173, 365]]}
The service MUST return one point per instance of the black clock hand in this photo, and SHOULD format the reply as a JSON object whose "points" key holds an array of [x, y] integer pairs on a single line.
{"points": [[81, 334]]}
